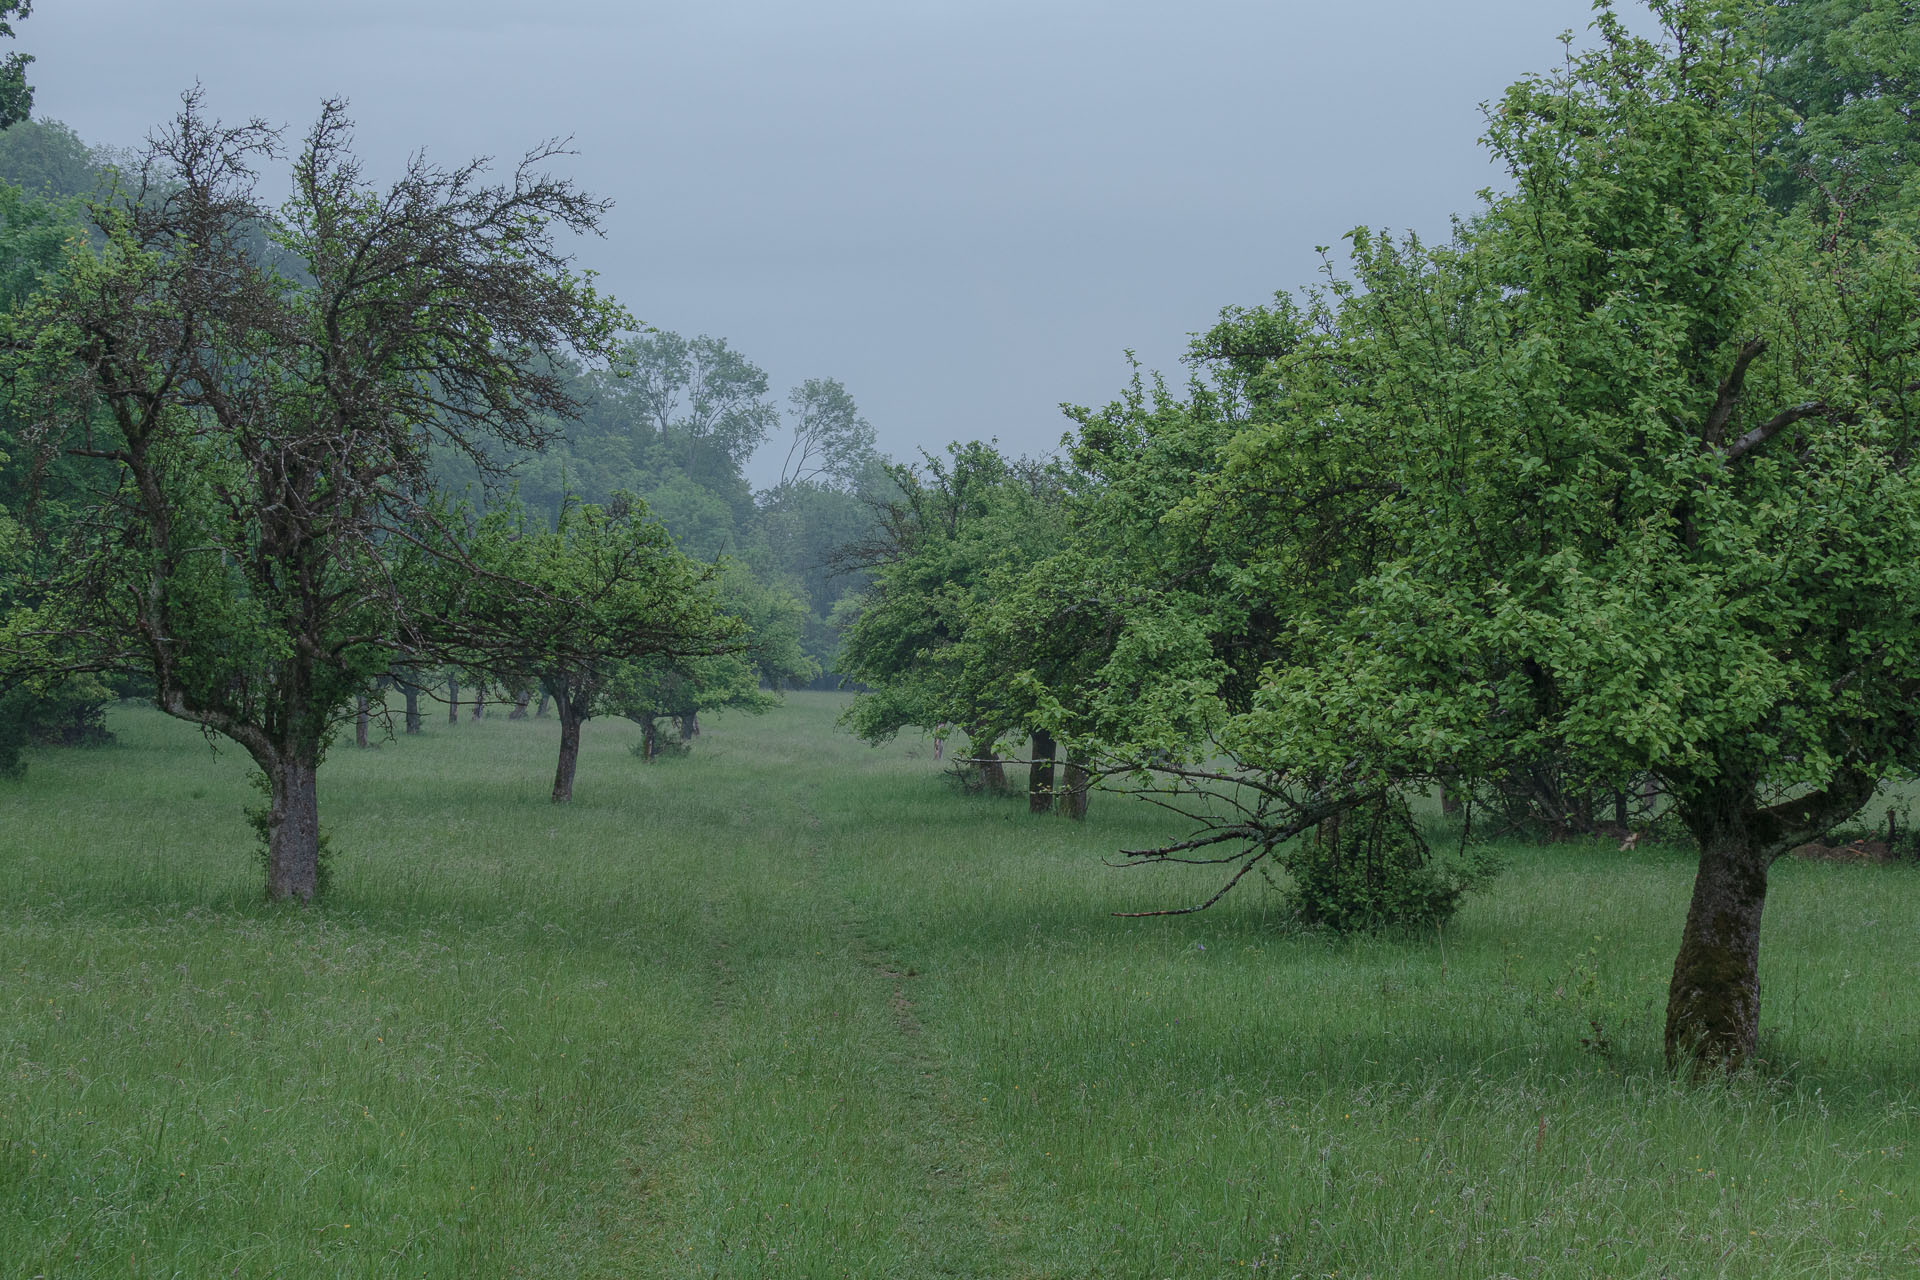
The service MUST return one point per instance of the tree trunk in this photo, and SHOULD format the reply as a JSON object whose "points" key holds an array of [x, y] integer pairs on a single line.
{"points": [[540, 712], [1074, 803], [649, 739], [1040, 774], [479, 701], [361, 715], [453, 700], [1713, 1003], [413, 707], [293, 828], [690, 726], [520, 701], [570, 722], [993, 774]]}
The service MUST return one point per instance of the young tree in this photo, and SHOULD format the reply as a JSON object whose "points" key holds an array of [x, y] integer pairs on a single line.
{"points": [[270, 439]]}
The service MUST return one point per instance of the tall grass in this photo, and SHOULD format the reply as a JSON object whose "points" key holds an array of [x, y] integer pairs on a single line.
{"points": [[791, 1007]]}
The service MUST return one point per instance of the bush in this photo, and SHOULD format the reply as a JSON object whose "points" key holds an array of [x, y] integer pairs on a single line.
{"points": [[1371, 870]]}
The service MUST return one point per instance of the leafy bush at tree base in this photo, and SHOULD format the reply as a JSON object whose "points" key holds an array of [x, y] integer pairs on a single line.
{"points": [[1370, 870]]}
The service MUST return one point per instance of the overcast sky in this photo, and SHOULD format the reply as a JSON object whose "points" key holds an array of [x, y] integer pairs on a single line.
{"points": [[966, 210]]}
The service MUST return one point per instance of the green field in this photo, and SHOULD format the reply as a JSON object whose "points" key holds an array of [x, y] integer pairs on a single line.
{"points": [[792, 1007]]}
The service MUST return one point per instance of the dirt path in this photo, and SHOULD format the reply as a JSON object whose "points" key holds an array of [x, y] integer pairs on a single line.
{"points": [[813, 1129]]}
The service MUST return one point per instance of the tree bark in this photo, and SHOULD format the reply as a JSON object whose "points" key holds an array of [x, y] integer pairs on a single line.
{"points": [[570, 722], [412, 692], [1074, 803], [520, 701], [453, 700], [1040, 774], [1713, 1002], [293, 828], [540, 712], [479, 701]]}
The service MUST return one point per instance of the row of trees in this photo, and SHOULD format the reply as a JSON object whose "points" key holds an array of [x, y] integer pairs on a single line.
{"points": [[259, 460], [1617, 485]]}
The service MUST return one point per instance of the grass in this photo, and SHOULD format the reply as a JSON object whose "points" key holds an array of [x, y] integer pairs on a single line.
{"points": [[795, 1008]]}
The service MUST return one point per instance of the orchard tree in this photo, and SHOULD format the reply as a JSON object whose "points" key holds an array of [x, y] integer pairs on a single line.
{"points": [[946, 543], [572, 607], [769, 657], [269, 438], [1626, 474]]}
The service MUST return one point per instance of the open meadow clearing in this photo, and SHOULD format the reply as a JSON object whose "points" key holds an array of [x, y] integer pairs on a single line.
{"points": [[794, 1007]]}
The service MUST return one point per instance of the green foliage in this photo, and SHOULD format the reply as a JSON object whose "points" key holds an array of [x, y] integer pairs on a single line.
{"points": [[1370, 870], [956, 534], [1846, 73], [47, 159], [16, 95]]}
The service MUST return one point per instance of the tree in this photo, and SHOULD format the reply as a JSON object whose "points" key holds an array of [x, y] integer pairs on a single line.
{"points": [[572, 607], [959, 531], [1626, 474], [270, 440], [768, 658], [832, 443], [1847, 73], [16, 95], [38, 501]]}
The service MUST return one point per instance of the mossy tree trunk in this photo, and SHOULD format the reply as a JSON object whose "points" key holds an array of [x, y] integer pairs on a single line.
{"points": [[1713, 1001]]}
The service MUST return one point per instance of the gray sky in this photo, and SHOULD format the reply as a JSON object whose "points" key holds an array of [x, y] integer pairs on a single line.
{"points": [[966, 210]]}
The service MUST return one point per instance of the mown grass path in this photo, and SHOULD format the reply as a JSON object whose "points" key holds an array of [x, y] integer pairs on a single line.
{"points": [[792, 1007]]}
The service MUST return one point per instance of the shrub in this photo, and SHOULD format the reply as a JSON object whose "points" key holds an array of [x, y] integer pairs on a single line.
{"points": [[1371, 870]]}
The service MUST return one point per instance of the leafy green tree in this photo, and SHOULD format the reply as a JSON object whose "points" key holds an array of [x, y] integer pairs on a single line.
{"points": [[269, 439], [958, 530], [573, 607], [832, 444], [47, 159], [1623, 475], [832, 479], [43, 494], [1848, 74], [16, 95]]}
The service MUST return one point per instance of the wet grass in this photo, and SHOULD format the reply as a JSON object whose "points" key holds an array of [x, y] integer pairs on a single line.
{"points": [[791, 1007]]}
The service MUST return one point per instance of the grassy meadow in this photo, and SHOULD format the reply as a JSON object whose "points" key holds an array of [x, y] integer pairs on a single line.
{"points": [[792, 1007]]}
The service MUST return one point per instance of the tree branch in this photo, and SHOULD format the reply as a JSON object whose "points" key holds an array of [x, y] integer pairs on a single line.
{"points": [[1729, 397]]}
